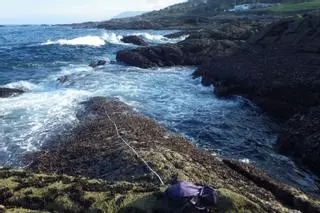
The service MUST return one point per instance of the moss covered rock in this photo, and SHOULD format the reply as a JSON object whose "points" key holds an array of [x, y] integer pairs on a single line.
{"points": [[105, 175]]}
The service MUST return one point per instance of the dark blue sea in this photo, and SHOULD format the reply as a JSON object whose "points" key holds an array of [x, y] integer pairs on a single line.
{"points": [[32, 58]]}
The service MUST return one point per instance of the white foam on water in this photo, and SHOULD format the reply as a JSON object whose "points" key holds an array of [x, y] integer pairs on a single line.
{"points": [[112, 38], [245, 160], [29, 120], [95, 41], [23, 85], [89, 40], [160, 38]]}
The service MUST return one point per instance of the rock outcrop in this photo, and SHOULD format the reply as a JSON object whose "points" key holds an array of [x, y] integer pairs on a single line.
{"points": [[9, 92], [279, 69], [198, 47], [94, 150], [133, 39]]}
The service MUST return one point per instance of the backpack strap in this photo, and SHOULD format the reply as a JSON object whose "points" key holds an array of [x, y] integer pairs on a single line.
{"points": [[208, 196]]}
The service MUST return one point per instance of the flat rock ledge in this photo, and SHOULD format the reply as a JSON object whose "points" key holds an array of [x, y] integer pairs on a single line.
{"points": [[92, 170]]}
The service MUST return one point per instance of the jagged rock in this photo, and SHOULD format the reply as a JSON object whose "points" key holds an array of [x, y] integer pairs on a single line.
{"points": [[200, 46], [132, 39], [301, 138], [98, 63], [276, 71], [9, 92], [177, 34], [164, 55], [279, 70], [188, 52]]}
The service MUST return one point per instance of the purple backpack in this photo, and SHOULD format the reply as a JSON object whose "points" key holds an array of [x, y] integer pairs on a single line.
{"points": [[199, 197]]}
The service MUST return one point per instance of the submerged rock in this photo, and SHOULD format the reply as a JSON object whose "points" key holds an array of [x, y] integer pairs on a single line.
{"points": [[98, 63], [9, 92], [95, 150], [63, 79], [133, 39]]}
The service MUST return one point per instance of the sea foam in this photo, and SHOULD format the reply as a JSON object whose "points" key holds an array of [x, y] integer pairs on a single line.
{"points": [[160, 38], [95, 41], [23, 85], [111, 38]]}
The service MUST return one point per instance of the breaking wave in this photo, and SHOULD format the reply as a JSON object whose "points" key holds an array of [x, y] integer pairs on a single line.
{"points": [[112, 38], [23, 85], [160, 38], [95, 41]]}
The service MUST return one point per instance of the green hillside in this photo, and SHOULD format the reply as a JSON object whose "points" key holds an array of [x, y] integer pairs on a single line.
{"points": [[296, 6]]}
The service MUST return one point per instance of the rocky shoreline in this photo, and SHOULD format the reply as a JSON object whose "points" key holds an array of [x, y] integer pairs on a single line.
{"points": [[105, 176], [200, 46], [277, 68], [91, 170]]}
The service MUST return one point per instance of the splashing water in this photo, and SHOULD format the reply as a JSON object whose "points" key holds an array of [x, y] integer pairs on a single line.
{"points": [[234, 128]]}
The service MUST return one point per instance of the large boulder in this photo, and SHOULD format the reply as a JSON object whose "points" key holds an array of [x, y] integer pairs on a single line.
{"points": [[155, 56], [9, 92], [133, 39]]}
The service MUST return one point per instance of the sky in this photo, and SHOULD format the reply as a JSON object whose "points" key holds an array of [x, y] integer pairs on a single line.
{"points": [[70, 11]]}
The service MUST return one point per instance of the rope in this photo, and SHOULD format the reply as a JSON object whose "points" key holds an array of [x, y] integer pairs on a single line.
{"points": [[134, 151]]}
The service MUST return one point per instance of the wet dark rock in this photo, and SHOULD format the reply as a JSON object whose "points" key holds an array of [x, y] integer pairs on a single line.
{"points": [[279, 70], [200, 46], [177, 34], [132, 39], [188, 52], [301, 138], [164, 55], [9, 92], [98, 63], [288, 195]]}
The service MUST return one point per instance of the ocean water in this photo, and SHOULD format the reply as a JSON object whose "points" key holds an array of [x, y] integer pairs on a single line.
{"points": [[34, 57]]}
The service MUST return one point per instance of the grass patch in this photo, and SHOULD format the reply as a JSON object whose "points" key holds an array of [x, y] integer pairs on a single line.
{"points": [[291, 7], [232, 202]]}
